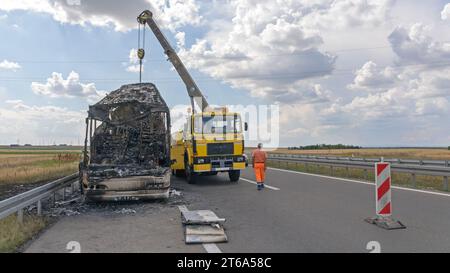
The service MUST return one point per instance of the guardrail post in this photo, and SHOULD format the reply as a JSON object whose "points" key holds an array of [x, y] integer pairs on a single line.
{"points": [[64, 193], [347, 171], [54, 198], [365, 174], [39, 208], [20, 216], [331, 170], [446, 163], [413, 179], [445, 183]]}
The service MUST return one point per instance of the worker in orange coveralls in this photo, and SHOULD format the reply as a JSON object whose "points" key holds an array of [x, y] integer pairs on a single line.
{"points": [[259, 158]]}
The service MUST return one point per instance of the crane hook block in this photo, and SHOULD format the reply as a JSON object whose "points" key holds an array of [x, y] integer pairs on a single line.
{"points": [[141, 53]]}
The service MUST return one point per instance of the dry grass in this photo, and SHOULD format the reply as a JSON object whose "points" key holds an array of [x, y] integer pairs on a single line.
{"points": [[406, 153], [31, 168], [13, 234], [401, 179], [21, 166]]}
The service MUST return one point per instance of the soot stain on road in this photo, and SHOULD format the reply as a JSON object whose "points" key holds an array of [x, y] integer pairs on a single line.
{"points": [[80, 206]]}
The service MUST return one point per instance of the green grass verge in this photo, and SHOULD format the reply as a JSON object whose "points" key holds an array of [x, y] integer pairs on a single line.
{"points": [[425, 182], [14, 234]]}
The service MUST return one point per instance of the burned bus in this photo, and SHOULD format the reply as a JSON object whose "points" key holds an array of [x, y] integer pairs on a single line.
{"points": [[128, 157]]}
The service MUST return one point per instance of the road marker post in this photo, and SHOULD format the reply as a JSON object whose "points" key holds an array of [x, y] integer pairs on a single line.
{"points": [[383, 198]]}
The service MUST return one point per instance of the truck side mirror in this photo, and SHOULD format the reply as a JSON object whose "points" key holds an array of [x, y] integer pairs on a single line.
{"points": [[245, 126]]}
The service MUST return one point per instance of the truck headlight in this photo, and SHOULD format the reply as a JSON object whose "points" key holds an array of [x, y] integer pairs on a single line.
{"points": [[201, 161], [239, 159]]}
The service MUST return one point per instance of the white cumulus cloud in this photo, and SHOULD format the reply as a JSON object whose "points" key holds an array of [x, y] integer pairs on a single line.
{"points": [[133, 62], [370, 77], [445, 13], [171, 14], [7, 65], [416, 45], [40, 124], [57, 86]]}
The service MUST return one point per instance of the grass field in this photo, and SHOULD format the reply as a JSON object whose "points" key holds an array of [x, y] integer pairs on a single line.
{"points": [[21, 166], [406, 153], [13, 234], [425, 182], [28, 165], [422, 181]]}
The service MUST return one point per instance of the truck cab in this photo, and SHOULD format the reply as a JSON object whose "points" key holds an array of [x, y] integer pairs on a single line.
{"points": [[211, 142]]}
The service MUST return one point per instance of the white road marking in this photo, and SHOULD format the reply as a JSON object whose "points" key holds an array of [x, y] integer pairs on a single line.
{"points": [[360, 182], [266, 186], [210, 247]]}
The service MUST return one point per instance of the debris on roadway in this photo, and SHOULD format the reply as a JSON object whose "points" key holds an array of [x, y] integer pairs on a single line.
{"points": [[203, 226]]}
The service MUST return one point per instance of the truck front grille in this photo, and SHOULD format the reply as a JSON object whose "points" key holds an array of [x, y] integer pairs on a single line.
{"points": [[220, 148]]}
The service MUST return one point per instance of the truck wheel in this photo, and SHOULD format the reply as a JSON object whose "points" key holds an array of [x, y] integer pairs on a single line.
{"points": [[190, 175], [234, 175], [179, 173]]}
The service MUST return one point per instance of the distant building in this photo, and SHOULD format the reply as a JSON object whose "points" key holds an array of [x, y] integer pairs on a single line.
{"points": [[27, 145]]}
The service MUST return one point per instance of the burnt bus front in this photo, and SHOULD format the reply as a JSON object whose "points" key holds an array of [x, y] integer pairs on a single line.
{"points": [[128, 156]]}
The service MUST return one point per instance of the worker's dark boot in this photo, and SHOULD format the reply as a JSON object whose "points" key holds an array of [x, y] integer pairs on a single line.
{"points": [[262, 185], [258, 186]]}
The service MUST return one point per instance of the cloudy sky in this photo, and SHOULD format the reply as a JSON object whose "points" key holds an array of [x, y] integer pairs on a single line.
{"points": [[365, 72]]}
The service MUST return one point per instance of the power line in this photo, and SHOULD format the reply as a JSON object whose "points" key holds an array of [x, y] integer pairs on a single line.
{"points": [[311, 73], [206, 58]]}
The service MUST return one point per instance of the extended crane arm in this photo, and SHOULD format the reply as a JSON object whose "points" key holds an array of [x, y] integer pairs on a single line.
{"points": [[193, 91]]}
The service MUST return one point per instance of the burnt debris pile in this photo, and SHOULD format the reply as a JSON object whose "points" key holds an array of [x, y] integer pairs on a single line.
{"points": [[131, 136]]}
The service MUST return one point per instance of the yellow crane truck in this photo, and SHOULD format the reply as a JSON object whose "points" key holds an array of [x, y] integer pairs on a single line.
{"points": [[212, 139]]}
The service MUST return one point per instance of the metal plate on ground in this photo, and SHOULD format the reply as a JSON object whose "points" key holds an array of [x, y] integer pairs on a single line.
{"points": [[199, 234], [200, 217]]}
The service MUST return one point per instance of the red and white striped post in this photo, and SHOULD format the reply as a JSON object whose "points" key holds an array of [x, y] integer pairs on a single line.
{"points": [[383, 198], [383, 189]]}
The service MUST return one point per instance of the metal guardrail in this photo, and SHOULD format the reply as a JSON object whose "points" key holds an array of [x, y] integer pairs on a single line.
{"points": [[413, 167], [421, 162], [18, 202]]}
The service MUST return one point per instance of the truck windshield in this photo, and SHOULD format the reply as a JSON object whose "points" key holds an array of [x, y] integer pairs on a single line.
{"points": [[217, 124]]}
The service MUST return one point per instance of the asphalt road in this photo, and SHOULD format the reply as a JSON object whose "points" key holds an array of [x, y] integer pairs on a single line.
{"points": [[299, 213]]}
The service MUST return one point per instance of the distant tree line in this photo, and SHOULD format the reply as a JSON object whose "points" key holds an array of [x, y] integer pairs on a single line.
{"points": [[325, 147]]}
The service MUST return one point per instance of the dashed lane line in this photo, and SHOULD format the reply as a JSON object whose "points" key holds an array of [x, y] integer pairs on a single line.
{"points": [[254, 182]]}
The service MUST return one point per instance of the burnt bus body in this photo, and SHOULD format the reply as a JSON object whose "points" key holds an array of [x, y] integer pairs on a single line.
{"points": [[129, 136]]}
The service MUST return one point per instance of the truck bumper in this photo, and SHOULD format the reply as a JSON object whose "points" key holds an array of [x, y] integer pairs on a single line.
{"points": [[198, 168], [100, 195], [129, 188]]}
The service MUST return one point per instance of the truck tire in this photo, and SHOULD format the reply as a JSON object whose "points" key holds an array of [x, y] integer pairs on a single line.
{"points": [[179, 173], [234, 175], [190, 175]]}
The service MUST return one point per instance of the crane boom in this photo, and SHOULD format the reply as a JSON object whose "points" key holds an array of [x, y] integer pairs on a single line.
{"points": [[193, 91]]}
